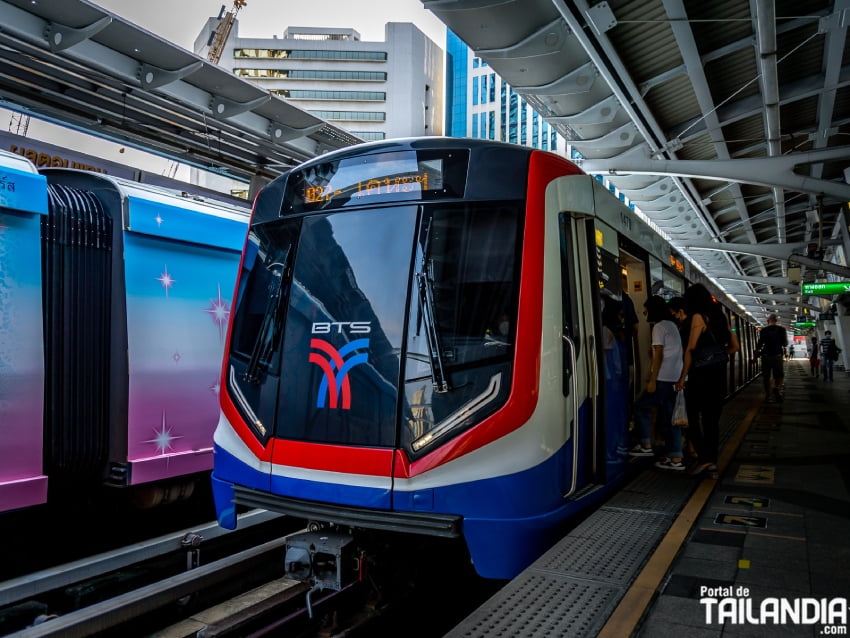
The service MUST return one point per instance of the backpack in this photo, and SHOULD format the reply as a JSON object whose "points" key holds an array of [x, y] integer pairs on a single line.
{"points": [[832, 351]]}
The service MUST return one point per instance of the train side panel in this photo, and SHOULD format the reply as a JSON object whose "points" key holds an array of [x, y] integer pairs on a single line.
{"points": [[23, 202], [161, 295], [180, 268]]}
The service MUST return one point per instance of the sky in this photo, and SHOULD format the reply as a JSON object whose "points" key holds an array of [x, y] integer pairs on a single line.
{"points": [[180, 21]]}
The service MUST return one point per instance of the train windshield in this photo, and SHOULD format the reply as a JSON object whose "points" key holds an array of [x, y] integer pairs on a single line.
{"points": [[462, 319], [376, 327]]}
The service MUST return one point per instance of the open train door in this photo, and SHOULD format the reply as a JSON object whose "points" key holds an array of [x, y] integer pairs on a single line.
{"points": [[571, 249], [595, 365]]}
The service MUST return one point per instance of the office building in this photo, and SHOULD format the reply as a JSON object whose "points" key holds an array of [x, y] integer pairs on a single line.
{"points": [[375, 90]]}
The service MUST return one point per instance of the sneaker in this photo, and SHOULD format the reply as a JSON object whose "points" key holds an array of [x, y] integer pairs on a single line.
{"points": [[639, 450], [670, 465], [770, 400], [778, 394]]}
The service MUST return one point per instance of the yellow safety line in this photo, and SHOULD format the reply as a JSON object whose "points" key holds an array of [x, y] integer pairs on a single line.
{"points": [[787, 538], [629, 611]]}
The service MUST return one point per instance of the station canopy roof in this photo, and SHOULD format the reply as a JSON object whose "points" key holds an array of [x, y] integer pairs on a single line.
{"points": [[78, 65], [726, 122]]}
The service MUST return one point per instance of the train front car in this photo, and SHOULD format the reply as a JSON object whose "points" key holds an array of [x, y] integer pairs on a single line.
{"points": [[393, 362]]}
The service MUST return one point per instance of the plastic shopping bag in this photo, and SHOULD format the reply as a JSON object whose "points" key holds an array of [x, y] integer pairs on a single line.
{"points": [[680, 413]]}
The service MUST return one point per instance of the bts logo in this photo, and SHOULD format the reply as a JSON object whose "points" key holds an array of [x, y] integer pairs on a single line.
{"points": [[354, 327], [335, 389]]}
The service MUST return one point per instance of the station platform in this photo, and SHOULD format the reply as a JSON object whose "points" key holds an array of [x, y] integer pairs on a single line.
{"points": [[764, 548]]}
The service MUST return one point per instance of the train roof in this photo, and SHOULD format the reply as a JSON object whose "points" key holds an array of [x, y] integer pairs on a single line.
{"points": [[22, 188], [415, 143], [17, 162], [173, 197], [162, 212]]}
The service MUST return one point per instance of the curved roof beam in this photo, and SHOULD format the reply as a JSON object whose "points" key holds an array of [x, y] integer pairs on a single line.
{"points": [[770, 171], [61, 37], [629, 96]]}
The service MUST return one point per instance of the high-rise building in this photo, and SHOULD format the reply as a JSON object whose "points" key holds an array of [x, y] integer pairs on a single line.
{"points": [[480, 104], [375, 90]]}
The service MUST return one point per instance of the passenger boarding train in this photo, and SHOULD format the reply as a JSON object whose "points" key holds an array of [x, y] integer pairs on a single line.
{"points": [[114, 298], [416, 346]]}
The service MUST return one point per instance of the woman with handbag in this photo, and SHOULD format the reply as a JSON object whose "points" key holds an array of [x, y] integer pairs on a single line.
{"points": [[710, 342]]}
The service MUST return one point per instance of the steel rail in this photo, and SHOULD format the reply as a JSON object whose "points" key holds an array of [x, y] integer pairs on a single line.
{"points": [[30, 585], [120, 609]]}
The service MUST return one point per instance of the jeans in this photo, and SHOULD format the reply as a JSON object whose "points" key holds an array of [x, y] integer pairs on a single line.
{"points": [[663, 398], [827, 367]]}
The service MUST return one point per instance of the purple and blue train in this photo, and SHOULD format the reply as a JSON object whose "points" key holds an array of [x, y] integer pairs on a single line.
{"points": [[114, 301]]}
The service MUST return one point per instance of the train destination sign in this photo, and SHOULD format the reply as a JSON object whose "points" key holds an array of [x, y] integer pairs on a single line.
{"points": [[377, 178], [826, 288]]}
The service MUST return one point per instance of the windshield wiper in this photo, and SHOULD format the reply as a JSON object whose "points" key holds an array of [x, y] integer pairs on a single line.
{"points": [[272, 318], [426, 304]]}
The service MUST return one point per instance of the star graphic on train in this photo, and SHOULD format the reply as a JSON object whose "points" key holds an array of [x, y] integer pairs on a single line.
{"points": [[166, 280], [163, 437], [220, 312]]}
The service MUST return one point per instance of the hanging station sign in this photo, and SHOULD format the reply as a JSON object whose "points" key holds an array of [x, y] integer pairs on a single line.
{"points": [[826, 288]]}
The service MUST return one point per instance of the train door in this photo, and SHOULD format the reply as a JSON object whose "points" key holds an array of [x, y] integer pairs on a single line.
{"points": [[581, 351], [596, 373]]}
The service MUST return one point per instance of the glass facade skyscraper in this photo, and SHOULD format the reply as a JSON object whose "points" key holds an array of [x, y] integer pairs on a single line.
{"points": [[480, 104]]}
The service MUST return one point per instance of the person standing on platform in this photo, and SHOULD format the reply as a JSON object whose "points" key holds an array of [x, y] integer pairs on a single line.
{"points": [[814, 358], [678, 308], [705, 382], [829, 355], [664, 369], [771, 347], [630, 324]]}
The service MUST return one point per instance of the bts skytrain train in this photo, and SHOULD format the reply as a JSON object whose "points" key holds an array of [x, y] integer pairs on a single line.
{"points": [[416, 345], [114, 298]]}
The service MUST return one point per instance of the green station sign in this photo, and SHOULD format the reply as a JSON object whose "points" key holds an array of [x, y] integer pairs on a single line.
{"points": [[805, 324], [826, 288]]}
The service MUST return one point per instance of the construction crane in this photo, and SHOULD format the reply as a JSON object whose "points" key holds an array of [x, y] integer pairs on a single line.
{"points": [[218, 38], [19, 123]]}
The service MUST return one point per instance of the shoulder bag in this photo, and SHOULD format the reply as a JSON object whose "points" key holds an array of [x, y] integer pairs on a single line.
{"points": [[709, 355]]}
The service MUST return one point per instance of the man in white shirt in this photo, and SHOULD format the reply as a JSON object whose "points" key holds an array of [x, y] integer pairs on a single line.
{"points": [[665, 368]]}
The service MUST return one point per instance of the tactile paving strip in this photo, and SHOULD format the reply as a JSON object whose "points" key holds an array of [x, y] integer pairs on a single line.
{"points": [[608, 547], [573, 588], [537, 604], [661, 491]]}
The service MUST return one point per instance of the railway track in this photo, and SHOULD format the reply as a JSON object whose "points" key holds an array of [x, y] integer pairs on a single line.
{"points": [[209, 582], [159, 578]]}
